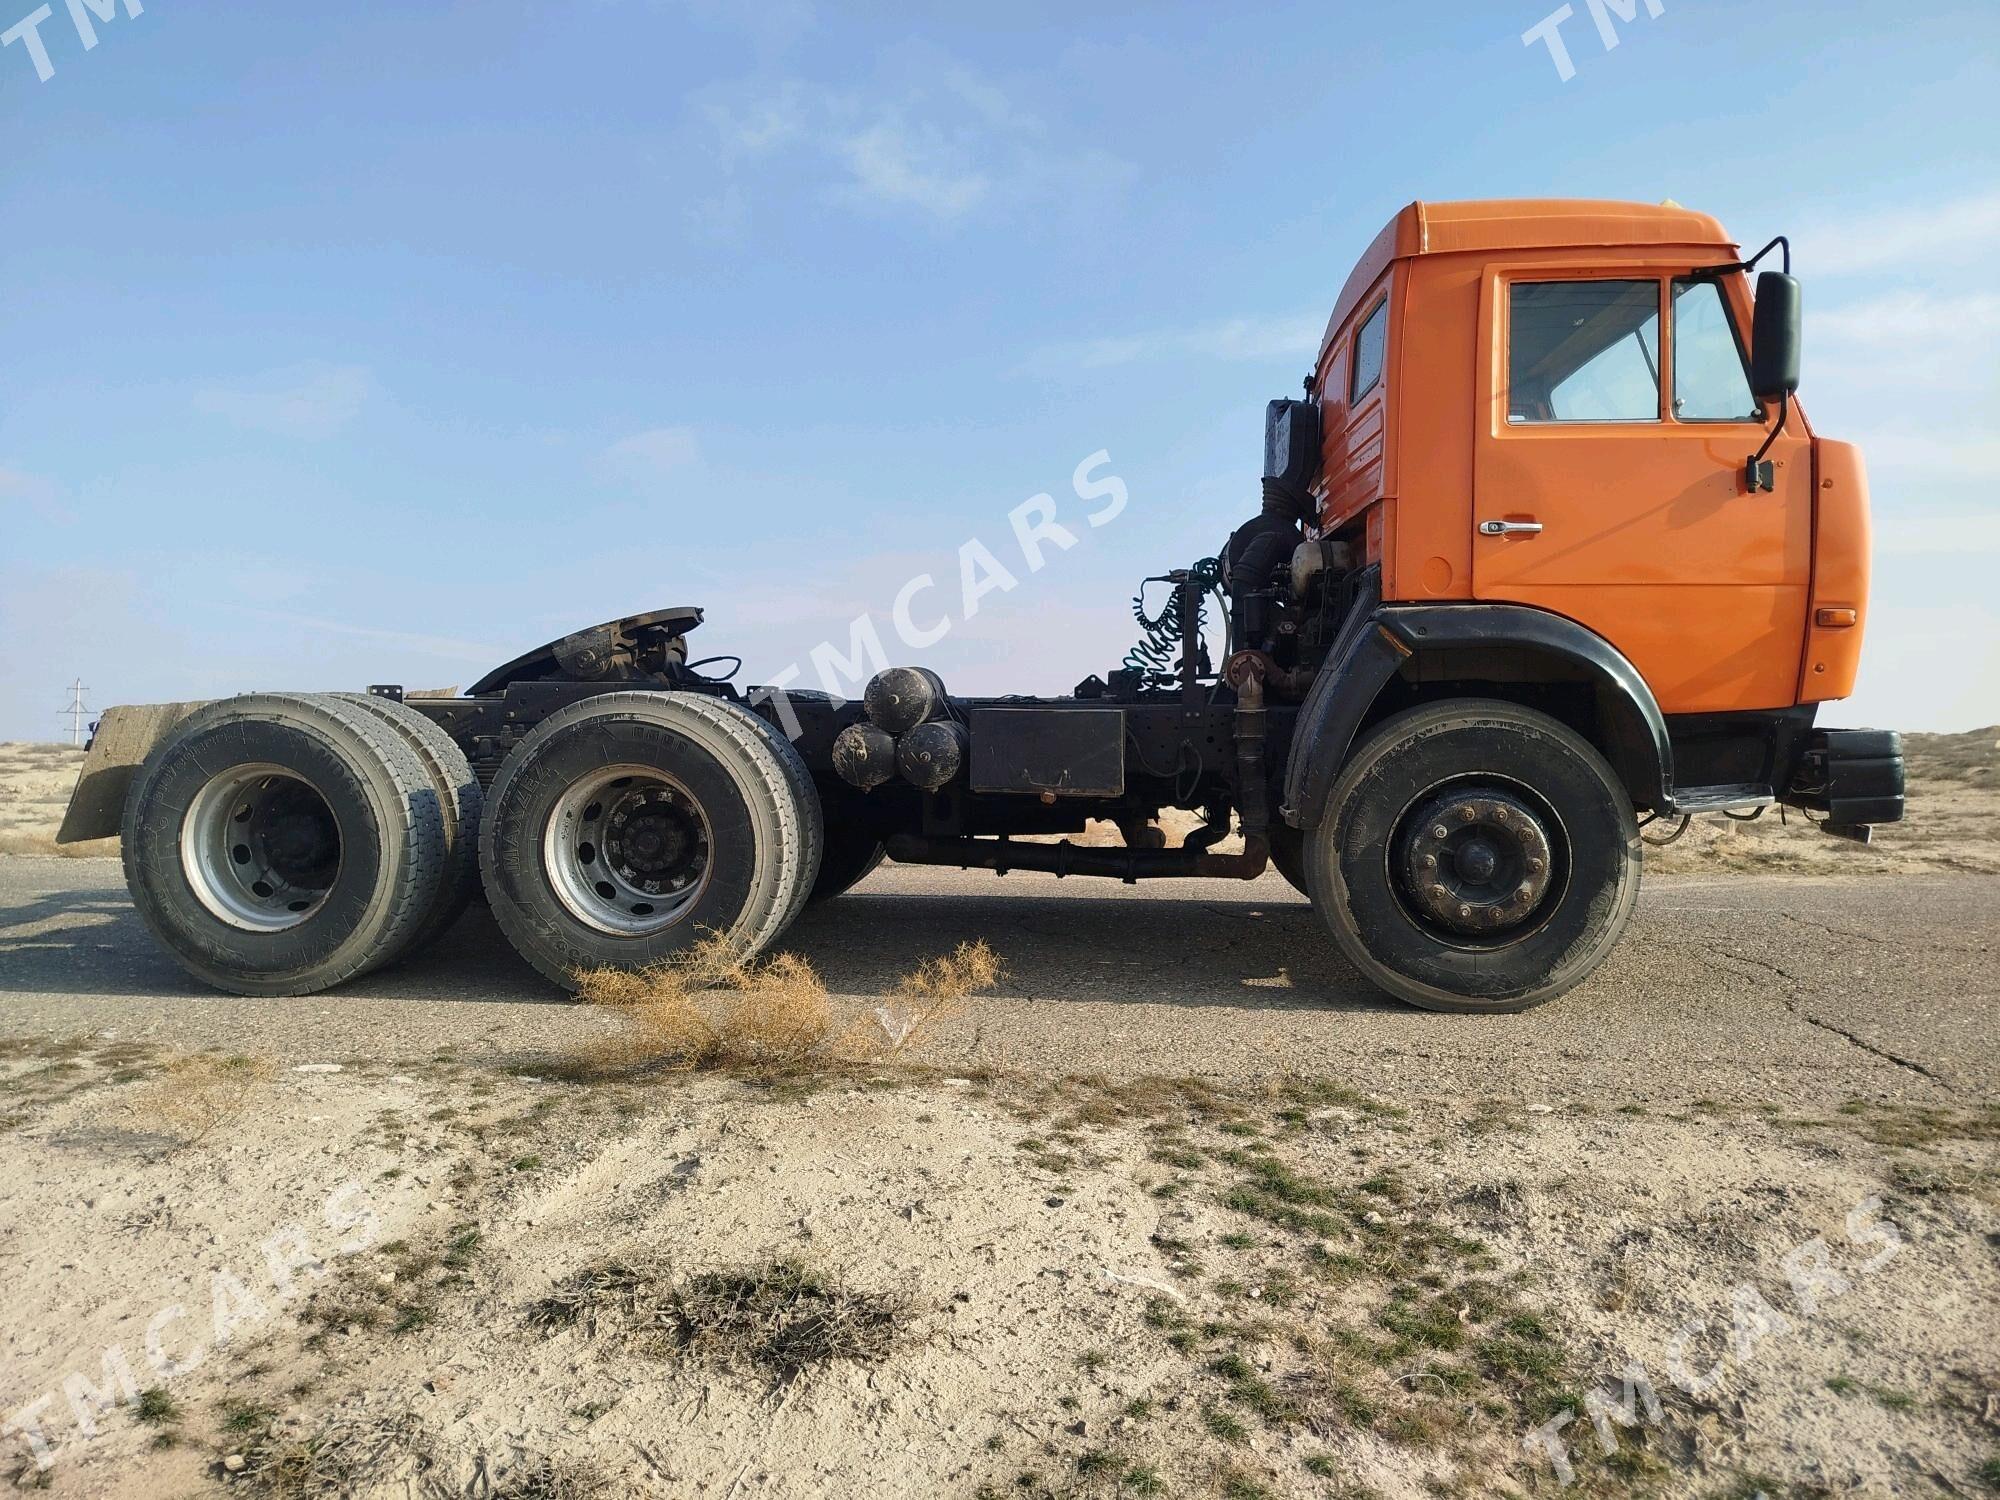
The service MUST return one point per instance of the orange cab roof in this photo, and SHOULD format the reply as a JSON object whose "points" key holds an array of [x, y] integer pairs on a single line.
{"points": [[1520, 224]]}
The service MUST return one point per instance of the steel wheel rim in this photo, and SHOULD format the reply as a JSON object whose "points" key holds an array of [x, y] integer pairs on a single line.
{"points": [[1461, 907], [628, 850], [260, 848]]}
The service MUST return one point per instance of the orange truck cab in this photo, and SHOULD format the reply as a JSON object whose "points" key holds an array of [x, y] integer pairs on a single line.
{"points": [[1591, 455], [1554, 448]]}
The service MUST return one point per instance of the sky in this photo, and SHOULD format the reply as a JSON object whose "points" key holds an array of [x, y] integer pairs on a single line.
{"points": [[370, 342]]}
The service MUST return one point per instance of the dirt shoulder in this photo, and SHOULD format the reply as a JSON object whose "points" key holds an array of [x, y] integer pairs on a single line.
{"points": [[892, 1281]]}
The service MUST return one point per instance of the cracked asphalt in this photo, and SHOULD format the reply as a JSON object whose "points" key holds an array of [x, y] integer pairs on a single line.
{"points": [[1791, 991]]}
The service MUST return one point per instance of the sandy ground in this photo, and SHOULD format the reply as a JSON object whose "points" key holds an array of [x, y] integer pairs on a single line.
{"points": [[1093, 1289], [1365, 1252]]}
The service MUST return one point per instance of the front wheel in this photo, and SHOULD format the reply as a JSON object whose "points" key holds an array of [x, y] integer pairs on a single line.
{"points": [[1475, 856]]}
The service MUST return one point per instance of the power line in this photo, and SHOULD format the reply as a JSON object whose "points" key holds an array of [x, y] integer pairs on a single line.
{"points": [[77, 711]]}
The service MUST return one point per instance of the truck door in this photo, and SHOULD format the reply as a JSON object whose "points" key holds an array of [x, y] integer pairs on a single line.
{"points": [[1614, 418]]}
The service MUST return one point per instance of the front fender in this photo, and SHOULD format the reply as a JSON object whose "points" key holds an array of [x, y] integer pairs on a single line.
{"points": [[1377, 643]]}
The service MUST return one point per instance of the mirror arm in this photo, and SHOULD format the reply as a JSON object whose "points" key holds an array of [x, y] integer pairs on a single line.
{"points": [[1716, 273], [1758, 474]]}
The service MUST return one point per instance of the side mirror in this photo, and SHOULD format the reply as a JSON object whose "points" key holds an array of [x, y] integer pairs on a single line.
{"points": [[1774, 337], [1291, 442]]}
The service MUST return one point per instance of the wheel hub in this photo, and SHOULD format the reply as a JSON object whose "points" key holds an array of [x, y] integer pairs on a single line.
{"points": [[651, 840], [628, 849], [1476, 861], [260, 848]]}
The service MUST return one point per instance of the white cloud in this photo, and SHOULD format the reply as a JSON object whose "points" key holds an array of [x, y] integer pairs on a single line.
{"points": [[929, 137], [758, 122], [651, 456], [1961, 231], [309, 402], [913, 166]]}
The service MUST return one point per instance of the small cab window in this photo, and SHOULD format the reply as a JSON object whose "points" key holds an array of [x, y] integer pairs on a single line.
{"points": [[1369, 346], [1710, 381], [1583, 351]]}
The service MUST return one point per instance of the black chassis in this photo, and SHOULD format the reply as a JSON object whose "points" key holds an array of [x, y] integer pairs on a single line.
{"points": [[1176, 753], [1180, 746]]}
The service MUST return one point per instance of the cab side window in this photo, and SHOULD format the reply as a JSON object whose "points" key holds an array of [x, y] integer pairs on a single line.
{"points": [[1369, 345], [1711, 383], [1583, 351]]}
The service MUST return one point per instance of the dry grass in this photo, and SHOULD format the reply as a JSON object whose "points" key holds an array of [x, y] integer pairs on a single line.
{"points": [[711, 1009], [355, 1452], [196, 1094], [348, 1453], [967, 970], [782, 1318]]}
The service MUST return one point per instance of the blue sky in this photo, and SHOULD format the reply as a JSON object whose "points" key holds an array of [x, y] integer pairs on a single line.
{"points": [[366, 342]]}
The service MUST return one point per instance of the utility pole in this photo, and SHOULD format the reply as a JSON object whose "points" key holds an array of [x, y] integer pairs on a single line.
{"points": [[76, 712]]}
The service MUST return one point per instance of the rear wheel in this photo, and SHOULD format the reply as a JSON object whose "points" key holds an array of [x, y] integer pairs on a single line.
{"points": [[630, 826], [279, 843], [459, 799], [1475, 856]]}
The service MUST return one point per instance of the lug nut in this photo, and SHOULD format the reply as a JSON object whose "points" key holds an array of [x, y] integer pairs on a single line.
{"points": [[1499, 814], [1534, 867], [1467, 814], [1440, 831], [1429, 861]]}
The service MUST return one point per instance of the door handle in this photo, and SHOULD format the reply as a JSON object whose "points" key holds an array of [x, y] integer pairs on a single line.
{"points": [[1510, 528]]}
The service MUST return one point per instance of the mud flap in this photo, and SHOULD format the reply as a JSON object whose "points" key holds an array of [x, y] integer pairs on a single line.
{"points": [[123, 739]]}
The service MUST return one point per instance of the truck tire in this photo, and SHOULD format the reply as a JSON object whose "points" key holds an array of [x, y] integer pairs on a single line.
{"points": [[1475, 856], [813, 826], [280, 843], [849, 859], [630, 826], [459, 797]]}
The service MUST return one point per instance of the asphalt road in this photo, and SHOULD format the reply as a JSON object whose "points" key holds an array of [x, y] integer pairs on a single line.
{"points": [[1788, 991]]}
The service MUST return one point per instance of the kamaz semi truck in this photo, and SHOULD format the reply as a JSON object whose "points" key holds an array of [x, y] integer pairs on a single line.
{"points": [[1547, 553]]}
